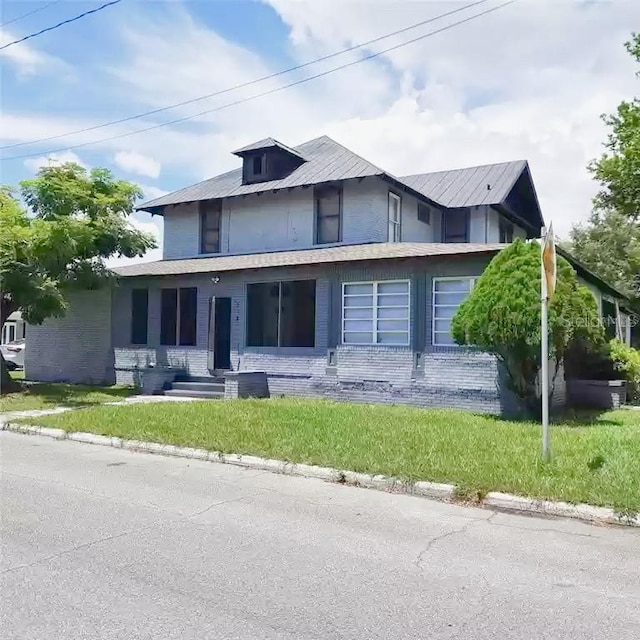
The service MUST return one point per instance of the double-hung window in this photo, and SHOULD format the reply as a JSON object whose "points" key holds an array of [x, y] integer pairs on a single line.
{"points": [[448, 295], [328, 205], [178, 316], [395, 213], [210, 214], [376, 312]]}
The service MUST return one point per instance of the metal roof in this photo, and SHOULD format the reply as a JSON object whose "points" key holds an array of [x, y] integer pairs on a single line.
{"points": [[326, 160], [326, 255], [267, 143], [487, 184]]}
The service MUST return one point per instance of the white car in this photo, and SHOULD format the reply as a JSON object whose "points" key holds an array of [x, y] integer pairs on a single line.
{"points": [[13, 354]]}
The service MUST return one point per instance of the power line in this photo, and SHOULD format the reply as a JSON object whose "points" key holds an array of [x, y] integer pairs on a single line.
{"points": [[60, 24], [244, 84], [271, 91], [29, 13]]}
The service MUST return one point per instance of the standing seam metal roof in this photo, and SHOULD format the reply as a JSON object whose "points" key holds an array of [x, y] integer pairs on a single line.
{"points": [[468, 187], [326, 160]]}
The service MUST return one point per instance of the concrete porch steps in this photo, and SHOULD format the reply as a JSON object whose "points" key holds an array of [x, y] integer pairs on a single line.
{"points": [[197, 387]]}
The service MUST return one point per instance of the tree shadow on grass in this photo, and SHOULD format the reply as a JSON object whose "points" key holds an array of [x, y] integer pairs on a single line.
{"points": [[75, 395], [574, 418]]}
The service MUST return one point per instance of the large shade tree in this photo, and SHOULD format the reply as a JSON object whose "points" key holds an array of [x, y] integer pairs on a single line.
{"points": [[502, 316], [609, 243], [75, 219]]}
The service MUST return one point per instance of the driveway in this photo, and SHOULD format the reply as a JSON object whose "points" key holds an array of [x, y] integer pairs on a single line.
{"points": [[104, 543]]}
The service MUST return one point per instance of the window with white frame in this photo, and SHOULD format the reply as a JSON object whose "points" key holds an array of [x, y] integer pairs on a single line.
{"points": [[448, 295], [395, 206], [376, 312]]}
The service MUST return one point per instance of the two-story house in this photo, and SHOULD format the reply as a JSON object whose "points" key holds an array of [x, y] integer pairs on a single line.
{"points": [[308, 271]]}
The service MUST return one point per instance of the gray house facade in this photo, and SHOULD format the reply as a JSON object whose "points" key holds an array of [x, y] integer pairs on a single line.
{"points": [[306, 271]]}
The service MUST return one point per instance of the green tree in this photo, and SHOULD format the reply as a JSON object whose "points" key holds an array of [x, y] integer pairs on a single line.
{"points": [[609, 244], [502, 316], [76, 220], [618, 169]]}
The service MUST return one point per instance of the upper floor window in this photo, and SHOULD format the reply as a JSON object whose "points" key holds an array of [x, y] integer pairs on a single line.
{"points": [[328, 206], [210, 215], [139, 315], [455, 226], [178, 316], [506, 231], [395, 206], [375, 312], [448, 295], [424, 213]]}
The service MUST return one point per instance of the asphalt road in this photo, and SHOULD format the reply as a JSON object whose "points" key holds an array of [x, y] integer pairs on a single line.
{"points": [[101, 543]]}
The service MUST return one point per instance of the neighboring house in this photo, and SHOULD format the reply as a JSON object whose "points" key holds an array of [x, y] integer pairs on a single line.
{"points": [[307, 271], [15, 328]]}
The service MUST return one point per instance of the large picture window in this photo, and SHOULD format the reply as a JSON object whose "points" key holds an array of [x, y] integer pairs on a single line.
{"points": [[210, 214], [448, 295], [178, 316], [281, 314], [139, 315], [328, 205], [376, 312]]}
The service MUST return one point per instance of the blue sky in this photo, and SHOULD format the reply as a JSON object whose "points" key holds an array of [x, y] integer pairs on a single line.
{"points": [[528, 81]]}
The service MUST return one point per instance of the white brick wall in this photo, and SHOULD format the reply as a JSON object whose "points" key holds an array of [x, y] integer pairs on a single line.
{"points": [[270, 221], [95, 336], [75, 348], [181, 231]]}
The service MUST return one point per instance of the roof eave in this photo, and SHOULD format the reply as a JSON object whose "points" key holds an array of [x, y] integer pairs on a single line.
{"points": [[590, 276]]}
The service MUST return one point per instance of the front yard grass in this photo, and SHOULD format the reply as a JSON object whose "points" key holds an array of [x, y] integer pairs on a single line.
{"points": [[45, 396], [594, 460]]}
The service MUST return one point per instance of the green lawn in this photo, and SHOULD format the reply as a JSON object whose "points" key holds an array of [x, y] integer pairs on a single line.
{"points": [[45, 396], [17, 374], [595, 461]]}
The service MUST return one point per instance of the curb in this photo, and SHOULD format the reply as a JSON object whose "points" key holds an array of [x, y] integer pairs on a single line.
{"points": [[437, 491]]}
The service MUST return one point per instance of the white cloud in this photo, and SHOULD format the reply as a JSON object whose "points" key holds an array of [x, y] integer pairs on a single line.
{"points": [[26, 59], [151, 192], [34, 164], [486, 91], [139, 163]]}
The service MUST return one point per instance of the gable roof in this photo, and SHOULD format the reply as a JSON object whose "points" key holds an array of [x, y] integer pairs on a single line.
{"points": [[486, 184], [326, 160], [324, 255], [267, 143]]}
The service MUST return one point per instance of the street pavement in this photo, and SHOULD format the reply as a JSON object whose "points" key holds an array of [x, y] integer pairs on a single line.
{"points": [[105, 543]]}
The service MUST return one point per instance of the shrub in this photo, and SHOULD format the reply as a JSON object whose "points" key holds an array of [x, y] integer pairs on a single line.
{"points": [[502, 316], [626, 361]]}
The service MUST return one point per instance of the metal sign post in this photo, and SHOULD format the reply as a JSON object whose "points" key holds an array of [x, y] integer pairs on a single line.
{"points": [[548, 285]]}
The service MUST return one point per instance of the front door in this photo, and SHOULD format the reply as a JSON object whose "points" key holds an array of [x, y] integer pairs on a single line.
{"points": [[219, 348]]}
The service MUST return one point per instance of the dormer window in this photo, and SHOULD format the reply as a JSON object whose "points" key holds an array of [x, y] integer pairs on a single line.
{"points": [[268, 160], [259, 165]]}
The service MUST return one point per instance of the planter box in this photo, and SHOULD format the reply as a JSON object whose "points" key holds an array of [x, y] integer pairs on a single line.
{"points": [[596, 394]]}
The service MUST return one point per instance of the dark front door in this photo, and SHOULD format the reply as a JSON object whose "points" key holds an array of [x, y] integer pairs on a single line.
{"points": [[219, 356]]}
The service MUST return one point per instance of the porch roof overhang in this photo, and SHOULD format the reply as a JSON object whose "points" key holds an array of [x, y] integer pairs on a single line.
{"points": [[324, 255]]}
